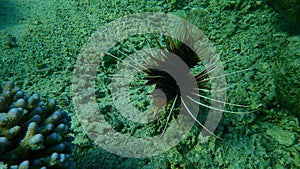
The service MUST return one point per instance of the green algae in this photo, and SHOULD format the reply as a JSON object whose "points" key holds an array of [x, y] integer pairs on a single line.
{"points": [[287, 74], [289, 8], [49, 36]]}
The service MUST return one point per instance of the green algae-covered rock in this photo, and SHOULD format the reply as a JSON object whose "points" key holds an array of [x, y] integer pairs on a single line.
{"points": [[287, 73], [289, 8], [33, 134]]}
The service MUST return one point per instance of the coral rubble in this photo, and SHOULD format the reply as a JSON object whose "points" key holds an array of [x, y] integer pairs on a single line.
{"points": [[33, 134]]}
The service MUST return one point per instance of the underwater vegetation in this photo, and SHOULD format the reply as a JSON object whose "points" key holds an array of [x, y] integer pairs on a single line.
{"points": [[289, 75], [40, 45], [290, 10], [33, 133]]}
